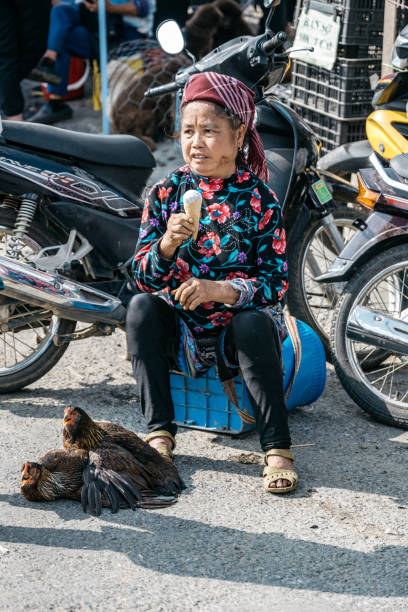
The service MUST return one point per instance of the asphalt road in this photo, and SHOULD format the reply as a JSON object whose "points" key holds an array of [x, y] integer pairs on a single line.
{"points": [[337, 543]]}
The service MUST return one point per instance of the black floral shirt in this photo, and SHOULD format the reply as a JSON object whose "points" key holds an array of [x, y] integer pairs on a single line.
{"points": [[241, 238]]}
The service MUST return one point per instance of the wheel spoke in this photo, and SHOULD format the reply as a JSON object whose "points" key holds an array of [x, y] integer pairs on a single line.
{"points": [[21, 345], [387, 293], [318, 257]]}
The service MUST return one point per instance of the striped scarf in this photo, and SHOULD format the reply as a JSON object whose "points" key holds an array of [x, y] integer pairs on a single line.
{"points": [[239, 99]]}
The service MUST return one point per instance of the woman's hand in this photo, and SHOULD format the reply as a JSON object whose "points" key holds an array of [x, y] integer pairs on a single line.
{"points": [[179, 228], [197, 291]]}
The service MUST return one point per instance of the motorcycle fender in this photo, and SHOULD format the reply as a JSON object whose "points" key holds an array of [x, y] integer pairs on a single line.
{"points": [[371, 237], [347, 158], [386, 139], [341, 190]]}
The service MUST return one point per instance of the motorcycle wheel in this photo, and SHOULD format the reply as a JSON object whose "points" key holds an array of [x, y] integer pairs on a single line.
{"points": [[27, 352], [311, 250], [382, 285]]}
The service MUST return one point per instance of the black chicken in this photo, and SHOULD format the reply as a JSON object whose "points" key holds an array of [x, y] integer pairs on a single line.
{"points": [[114, 448]]}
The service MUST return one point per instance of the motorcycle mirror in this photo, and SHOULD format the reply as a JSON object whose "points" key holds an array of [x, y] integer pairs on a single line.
{"points": [[271, 4], [170, 37]]}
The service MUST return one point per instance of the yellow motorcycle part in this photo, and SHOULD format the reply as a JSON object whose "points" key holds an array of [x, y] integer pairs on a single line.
{"points": [[384, 138]]}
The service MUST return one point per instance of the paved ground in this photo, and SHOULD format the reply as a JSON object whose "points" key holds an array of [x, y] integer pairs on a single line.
{"points": [[338, 543]]}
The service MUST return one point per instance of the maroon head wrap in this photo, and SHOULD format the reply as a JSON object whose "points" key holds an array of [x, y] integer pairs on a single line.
{"points": [[239, 99]]}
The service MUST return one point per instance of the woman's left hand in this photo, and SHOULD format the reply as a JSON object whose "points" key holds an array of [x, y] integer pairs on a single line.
{"points": [[197, 291]]}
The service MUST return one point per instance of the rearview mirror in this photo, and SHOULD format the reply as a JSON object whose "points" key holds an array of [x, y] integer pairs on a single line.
{"points": [[268, 3], [170, 37]]}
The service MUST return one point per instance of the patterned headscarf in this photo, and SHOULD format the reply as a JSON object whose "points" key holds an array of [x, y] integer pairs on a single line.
{"points": [[239, 99]]}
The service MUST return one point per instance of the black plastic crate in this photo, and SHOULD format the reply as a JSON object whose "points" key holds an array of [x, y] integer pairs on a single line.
{"points": [[346, 73], [357, 51], [361, 29], [358, 4], [332, 131], [343, 72], [338, 102], [344, 92]]}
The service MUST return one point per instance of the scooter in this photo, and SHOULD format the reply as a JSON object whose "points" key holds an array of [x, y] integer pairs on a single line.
{"points": [[369, 337], [70, 209], [386, 127]]}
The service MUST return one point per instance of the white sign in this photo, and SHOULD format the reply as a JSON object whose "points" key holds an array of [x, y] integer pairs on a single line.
{"points": [[320, 30]]}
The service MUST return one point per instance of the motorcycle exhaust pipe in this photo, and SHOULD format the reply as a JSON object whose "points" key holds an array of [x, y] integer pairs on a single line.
{"points": [[377, 329], [65, 298]]}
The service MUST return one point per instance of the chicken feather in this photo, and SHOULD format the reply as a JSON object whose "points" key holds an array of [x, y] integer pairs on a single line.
{"points": [[121, 450]]}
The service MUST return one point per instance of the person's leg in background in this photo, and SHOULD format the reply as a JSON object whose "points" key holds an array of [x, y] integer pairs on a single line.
{"points": [[23, 32], [11, 99], [67, 37]]}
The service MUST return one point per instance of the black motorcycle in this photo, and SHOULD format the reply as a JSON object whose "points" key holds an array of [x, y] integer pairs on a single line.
{"points": [[70, 213], [369, 336]]}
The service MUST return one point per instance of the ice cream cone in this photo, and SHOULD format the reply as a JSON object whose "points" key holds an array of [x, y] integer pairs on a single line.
{"points": [[192, 205]]}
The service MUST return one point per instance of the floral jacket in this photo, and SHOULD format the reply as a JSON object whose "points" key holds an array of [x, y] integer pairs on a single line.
{"points": [[241, 238]]}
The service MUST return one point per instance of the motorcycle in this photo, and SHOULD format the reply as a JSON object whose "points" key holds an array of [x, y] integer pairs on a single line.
{"points": [[386, 127], [70, 209], [369, 337]]}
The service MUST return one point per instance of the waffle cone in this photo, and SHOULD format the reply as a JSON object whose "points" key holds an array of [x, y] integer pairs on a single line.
{"points": [[192, 208]]}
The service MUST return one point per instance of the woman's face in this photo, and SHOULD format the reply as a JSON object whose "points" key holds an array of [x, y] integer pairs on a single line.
{"points": [[209, 144]]}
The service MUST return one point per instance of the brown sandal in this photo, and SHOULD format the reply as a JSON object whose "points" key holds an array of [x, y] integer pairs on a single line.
{"points": [[272, 473], [164, 450]]}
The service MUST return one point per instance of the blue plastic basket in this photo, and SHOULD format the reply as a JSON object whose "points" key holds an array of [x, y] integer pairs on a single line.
{"points": [[201, 403]]}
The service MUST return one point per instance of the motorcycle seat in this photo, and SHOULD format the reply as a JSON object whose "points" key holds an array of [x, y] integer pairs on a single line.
{"points": [[400, 165], [115, 150]]}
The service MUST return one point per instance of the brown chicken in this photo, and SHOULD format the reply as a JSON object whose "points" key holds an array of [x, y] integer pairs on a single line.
{"points": [[114, 448], [57, 474], [80, 475]]}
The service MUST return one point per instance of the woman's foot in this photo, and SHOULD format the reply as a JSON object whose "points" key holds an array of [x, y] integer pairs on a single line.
{"points": [[284, 464], [279, 475], [163, 441], [160, 442]]}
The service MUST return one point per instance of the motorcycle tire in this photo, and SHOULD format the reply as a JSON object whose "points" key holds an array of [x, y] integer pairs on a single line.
{"points": [[44, 354], [369, 388], [300, 299]]}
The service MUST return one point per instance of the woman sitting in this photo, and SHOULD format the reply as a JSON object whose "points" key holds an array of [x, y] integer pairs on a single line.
{"points": [[217, 296]]}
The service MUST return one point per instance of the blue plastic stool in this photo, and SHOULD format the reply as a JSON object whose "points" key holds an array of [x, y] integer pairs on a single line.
{"points": [[201, 403]]}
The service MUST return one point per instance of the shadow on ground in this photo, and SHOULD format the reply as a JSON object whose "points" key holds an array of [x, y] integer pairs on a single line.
{"points": [[196, 549]]}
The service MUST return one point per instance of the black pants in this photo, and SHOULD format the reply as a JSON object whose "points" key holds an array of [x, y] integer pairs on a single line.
{"points": [[251, 342], [23, 39]]}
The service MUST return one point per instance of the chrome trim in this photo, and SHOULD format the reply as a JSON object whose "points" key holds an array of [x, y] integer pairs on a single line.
{"points": [[338, 268], [375, 328], [329, 223], [66, 298], [62, 253], [378, 166]]}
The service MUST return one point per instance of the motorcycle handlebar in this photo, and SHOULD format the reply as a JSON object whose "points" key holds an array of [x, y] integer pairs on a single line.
{"points": [[269, 46], [161, 89]]}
